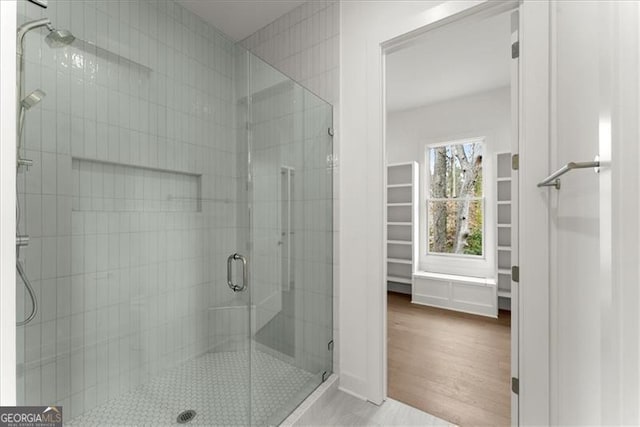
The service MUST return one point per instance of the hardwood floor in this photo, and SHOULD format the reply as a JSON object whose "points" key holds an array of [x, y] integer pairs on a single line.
{"points": [[452, 365]]}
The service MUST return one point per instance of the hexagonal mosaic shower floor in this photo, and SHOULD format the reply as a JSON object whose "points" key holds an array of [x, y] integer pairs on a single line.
{"points": [[216, 386]]}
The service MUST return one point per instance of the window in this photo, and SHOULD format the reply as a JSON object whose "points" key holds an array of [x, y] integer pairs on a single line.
{"points": [[455, 199]]}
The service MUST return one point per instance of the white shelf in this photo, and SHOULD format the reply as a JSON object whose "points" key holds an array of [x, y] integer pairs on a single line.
{"points": [[399, 279], [399, 261], [395, 165], [503, 252], [399, 242], [402, 228]]}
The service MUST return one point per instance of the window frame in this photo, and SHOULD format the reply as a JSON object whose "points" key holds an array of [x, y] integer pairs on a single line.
{"points": [[427, 199]]}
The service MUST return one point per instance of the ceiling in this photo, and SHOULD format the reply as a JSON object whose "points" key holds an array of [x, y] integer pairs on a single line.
{"points": [[450, 63], [238, 19]]}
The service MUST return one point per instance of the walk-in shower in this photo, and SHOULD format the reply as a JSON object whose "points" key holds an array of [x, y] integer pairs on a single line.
{"points": [[153, 151]]}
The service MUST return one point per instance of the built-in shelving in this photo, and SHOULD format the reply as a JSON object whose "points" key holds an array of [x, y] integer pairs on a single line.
{"points": [[400, 261], [503, 229], [402, 228], [399, 279], [399, 242]]}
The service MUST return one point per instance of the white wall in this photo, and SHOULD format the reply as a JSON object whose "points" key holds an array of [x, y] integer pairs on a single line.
{"points": [[474, 115], [484, 114]]}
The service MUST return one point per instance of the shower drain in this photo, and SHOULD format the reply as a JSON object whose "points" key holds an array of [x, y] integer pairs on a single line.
{"points": [[186, 416]]}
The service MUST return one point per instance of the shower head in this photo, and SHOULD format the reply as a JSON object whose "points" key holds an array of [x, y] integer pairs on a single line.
{"points": [[59, 38], [32, 99], [55, 38]]}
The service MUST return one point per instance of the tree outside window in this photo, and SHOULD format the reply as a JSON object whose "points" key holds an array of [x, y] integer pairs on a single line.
{"points": [[455, 199]]}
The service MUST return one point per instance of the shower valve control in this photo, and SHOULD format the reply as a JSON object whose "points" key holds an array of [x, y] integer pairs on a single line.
{"points": [[22, 240], [25, 163]]}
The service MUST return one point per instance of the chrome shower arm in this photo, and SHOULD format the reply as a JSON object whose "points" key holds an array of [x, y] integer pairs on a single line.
{"points": [[22, 32], [28, 26]]}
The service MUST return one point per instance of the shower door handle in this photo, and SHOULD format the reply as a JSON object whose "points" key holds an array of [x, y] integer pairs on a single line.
{"points": [[233, 286]]}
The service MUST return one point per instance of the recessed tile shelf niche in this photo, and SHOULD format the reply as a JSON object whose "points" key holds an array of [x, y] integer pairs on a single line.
{"points": [[116, 187]]}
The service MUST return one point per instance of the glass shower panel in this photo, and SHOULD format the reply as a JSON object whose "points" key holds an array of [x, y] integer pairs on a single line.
{"points": [[291, 231]]}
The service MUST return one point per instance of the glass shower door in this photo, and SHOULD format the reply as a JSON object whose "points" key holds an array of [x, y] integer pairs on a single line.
{"points": [[291, 214]]}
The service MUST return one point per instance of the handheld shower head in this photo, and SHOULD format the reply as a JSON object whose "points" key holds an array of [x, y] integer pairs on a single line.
{"points": [[32, 99], [59, 38]]}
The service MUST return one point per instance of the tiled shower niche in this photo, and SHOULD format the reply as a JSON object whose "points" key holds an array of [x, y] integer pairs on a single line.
{"points": [[113, 187]]}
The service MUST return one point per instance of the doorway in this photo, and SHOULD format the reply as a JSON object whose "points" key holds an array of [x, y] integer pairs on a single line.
{"points": [[451, 236]]}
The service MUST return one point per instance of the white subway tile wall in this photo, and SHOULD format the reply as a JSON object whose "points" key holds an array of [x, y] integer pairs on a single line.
{"points": [[304, 44], [130, 203]]}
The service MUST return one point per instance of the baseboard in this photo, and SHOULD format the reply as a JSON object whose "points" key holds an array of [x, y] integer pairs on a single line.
{"points": [[316, 401], [353, 385], [400, 288]]}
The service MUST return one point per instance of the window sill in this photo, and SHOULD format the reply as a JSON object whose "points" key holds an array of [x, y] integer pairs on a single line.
{"points": [[483, 281]]}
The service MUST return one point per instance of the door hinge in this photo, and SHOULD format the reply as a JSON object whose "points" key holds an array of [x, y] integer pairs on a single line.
{"points": [[330, 345], [515, 162], [515, 273], [330, 131], [515, 385], [515, 50], [324, 376]]}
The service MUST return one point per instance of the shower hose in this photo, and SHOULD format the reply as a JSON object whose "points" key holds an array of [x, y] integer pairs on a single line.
{"points": [[32, 294]]}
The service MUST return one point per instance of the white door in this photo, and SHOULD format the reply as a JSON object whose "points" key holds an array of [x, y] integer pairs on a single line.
{"points": [[594, 217]]}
